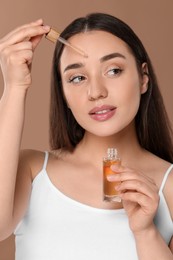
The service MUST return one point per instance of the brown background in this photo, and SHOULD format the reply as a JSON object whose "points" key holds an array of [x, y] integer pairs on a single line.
{"points": [[152, 20]]}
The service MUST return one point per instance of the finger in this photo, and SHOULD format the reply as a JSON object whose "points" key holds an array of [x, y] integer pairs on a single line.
{"points": [[120, 168], [11, 53], [144, 201], [27, 45], [26, 34], [148, 188], [124, 174], [37, 22], [35, 41], [21, 57], [31, 45]]}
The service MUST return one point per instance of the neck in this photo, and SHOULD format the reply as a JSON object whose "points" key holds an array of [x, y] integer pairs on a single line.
{"points": [[125, 142]]}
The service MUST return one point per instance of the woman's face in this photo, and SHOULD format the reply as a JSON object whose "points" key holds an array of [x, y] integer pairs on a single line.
{"points": [[103, 90]]}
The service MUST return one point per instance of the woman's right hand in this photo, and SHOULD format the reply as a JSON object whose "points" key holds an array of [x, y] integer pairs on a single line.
{"points": [[16, 54]]}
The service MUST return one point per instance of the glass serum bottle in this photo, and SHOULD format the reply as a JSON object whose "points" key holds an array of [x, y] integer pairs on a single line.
{"points": [[109, 192]]}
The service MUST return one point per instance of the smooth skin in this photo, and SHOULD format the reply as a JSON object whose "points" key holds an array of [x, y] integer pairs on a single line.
{"points": [[114, 81]]}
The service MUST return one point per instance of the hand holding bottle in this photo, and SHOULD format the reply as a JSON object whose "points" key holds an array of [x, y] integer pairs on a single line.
{"points": [[139, 195], [16, 53]]}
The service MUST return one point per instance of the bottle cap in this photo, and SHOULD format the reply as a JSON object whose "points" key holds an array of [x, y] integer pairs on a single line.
{"points": [[112, 152]]}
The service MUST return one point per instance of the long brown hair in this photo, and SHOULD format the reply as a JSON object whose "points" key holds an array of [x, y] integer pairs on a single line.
{"points": [[152, 124]]}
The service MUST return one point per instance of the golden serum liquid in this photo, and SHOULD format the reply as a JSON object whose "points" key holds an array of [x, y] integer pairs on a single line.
{"points": [[109, 192]]}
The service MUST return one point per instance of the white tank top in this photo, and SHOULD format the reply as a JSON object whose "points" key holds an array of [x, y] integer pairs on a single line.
{"points": [[56, 227]]}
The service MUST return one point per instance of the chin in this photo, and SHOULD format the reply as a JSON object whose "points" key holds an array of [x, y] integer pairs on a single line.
{"points": [[104, 132], [112, 130]]}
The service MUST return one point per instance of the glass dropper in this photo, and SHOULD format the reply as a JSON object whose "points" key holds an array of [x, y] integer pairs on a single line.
{"points": [[54, 36]]}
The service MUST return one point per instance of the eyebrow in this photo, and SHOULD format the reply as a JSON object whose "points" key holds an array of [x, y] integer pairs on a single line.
{"points": [[74, 66], [112, 56], [102, 59]]}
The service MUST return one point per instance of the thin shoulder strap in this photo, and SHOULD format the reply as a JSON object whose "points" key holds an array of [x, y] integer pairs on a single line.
{"points": [[165, 177], [45, 160]]}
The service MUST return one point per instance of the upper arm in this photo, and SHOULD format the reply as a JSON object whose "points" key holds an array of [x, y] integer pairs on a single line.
{"points": [[22, 187], [18, 197], [30, 162]]}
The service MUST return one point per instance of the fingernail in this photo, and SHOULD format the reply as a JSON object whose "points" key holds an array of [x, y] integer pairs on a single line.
{"points": [[46, 27], [39, 21], [110, 177], [115, 167]]}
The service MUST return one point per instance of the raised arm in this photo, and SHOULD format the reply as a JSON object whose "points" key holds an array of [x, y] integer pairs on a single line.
{"points": [[16, 55]]}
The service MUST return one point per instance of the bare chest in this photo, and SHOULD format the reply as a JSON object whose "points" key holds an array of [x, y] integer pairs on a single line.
{"points": [[81, 183]]}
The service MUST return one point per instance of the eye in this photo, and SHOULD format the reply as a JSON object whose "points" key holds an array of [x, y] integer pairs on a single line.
{"points": [[114, 72], [76, 79]]}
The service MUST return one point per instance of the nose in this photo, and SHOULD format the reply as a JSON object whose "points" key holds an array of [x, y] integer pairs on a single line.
{"points": [[97, 90]]}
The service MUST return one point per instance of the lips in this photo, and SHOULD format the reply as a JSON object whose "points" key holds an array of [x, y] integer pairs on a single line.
{"points": [[102, 113]]}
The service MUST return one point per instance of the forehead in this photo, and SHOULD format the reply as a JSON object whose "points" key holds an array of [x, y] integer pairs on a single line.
{"points": [[95, 44], [91, 40]]}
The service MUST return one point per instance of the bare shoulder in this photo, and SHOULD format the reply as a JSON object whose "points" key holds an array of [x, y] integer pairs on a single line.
{"points": [[30, 163], [168, 191], [164, 169], [157, 168], [31, 160], [168, 194]]}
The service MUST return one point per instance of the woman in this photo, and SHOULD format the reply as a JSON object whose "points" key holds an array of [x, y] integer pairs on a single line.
{"points": [[110, 98]]}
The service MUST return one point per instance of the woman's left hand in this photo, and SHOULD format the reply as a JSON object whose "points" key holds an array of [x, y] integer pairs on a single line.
{"points": [[139, 195]]}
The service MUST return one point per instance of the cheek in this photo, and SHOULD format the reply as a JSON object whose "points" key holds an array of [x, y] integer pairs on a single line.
{"points": [[131, 87], [72, 99], [132, 96], [129, 96], [132, 105], [68, 95], [75, 101]]}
